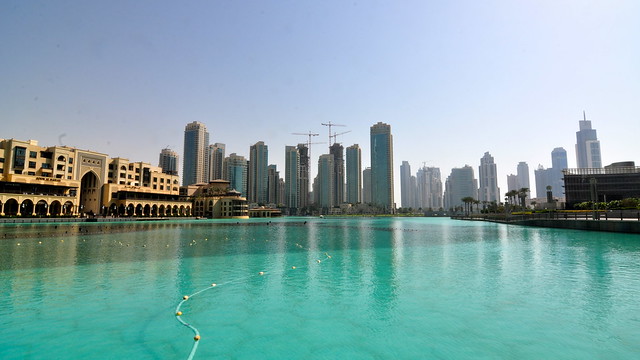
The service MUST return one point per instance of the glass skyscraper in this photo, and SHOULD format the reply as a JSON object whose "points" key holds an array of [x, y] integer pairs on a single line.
{"points": [[194, 161], [587, 146], [354, 174], [382, 166]]}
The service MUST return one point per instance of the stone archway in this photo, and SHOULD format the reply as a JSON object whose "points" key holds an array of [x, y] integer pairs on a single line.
{"points": [[146, 210], [90, 193], [154, 210], [41, 208], [55, 209], [26, 208], [11, 207], [67, 208]]}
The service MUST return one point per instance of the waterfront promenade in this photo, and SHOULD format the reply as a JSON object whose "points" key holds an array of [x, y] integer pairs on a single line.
{"points": [[625, 221]]}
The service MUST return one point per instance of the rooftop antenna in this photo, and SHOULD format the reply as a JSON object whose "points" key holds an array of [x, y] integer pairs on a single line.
{"points": [[330, 124]]}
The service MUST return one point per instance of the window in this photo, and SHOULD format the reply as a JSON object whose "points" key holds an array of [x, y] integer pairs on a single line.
{"points": [[44, 154], [110, 166], [46, 166], [32, 164], [137, 177], [19, 156], [31, 173], [61, 158], [70, 160], [33, 154], [69, 169], [1, 160], [154, 187], [19, 172], [60, 167], [109, 175], [155, 179], [122, 175]]}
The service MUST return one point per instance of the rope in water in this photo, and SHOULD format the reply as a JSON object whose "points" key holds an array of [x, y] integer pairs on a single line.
{"points": [[196, 333]]}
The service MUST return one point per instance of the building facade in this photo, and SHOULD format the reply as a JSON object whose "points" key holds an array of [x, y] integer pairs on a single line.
{"points": [[292, 179], [168, 161], [617, 181], [587, 146], [461, 183], [488, 175], [324, 191], [354, 174], [194, 163], [235, 171], [337, 150], [382, 188], [215, 158], [407, 193], [258, 173]]}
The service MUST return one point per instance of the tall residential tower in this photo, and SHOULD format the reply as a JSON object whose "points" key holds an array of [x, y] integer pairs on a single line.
{"points": [[382, 166], [194, 161]]}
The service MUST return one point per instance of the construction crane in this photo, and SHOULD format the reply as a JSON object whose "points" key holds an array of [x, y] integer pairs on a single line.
{"points": [[336, 135], [309, 143], [330, 124]]}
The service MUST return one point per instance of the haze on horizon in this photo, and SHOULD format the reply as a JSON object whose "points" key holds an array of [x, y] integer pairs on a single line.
{"points": [[453, 79]]}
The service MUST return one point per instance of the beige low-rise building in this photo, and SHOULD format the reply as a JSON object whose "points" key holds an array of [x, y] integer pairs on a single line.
{"points": [[216, 200], [65, 181]]}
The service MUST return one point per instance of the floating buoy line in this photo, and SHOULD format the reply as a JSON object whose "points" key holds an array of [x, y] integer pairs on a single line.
{"points": [[196, 333]]}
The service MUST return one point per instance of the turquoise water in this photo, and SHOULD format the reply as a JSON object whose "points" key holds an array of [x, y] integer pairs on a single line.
{"points": [[416, 288]]}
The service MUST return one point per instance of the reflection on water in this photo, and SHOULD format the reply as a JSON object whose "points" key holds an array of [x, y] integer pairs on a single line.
{"points": [[393, 288]]}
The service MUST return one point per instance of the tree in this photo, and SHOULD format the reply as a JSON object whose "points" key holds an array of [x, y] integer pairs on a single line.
{"points": [[522, 194], [467, 200]]}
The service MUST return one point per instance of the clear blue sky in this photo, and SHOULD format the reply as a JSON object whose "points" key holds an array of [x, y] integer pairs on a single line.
{"points": [[453, 78]]}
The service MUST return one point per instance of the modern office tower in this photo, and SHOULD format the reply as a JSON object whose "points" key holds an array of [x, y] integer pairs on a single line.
{"points": [[428, 188], [414, 190], [366, 186], [303, 192], [325, 182], [587, 146], [235, 171], [194, 162], [280, 191], [273, 184], [168, 161], [337, 151], [354, 174], [523, 175], [216, 161], [488, 175], [291, 179], [407, 197], [558, 163], [382, 166], [512, 182], [258, 176], [543, 179], [460, 184]]}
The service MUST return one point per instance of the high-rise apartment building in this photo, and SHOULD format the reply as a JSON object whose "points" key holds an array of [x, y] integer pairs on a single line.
{"points": [[460, 184], [303, 192], [523, 175], [292, 179], [235, 171], [258, 175], [216, 161], [337, 151], [512, 183], [194, 162], [366, 185], [558, 163], [325, 181], [382, 166], [273, 185], [428, 188], [407, 196], [488, 175], [168, 161], [587, 146], [354, 174]]}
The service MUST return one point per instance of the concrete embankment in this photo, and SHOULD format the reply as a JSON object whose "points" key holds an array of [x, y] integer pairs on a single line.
{"points": [[624, 226]]}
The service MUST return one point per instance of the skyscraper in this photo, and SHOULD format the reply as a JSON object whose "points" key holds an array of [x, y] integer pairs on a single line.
{"points": [[382, 166], [460, 184], [337, 151], [366, 186], [407, 197], [258, 174], [488, 175], [558, 163], [292, 179], [523, 175], [235, 171], [216, 161], [325, 192], [194, 162], [428, 188], [168, 161], [587, 146], [273, 184], [303, 191], [354, 174]]}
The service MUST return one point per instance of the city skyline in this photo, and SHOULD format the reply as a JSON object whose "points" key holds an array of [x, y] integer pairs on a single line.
{"points": [[454, 80]]}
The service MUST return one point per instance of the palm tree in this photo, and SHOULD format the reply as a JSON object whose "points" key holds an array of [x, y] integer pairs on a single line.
{"points": [[467, 200], [522, 194]]}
